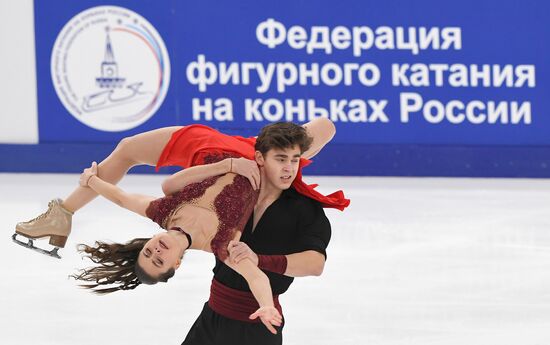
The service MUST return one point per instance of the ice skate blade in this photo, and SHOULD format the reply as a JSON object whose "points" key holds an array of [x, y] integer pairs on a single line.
{"points": [[52, 253]]}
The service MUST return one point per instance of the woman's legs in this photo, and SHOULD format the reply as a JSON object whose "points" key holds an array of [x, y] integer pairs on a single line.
{"points": [[56, 222], [144, 148]]}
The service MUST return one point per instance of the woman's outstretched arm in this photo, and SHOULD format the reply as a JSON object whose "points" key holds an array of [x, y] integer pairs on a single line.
{"points": [[242, 166], [137, 203], [261, 289]]}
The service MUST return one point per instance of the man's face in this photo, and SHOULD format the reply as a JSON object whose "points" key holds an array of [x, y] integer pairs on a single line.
{"points": [[280, 166]]}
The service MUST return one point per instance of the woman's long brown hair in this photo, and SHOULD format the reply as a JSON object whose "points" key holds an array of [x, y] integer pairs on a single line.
{"points": [[117, 265]]}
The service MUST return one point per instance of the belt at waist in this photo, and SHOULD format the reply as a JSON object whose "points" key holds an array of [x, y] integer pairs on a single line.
{"points": [[235, 304]]}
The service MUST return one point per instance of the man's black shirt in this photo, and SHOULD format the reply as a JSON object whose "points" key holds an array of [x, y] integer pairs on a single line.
{"points": [[291, 224]]}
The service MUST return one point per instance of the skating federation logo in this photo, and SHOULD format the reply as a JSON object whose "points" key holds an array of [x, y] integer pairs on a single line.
{"points": [[110, 68]]}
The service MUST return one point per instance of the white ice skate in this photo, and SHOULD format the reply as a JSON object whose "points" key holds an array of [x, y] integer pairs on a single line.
{"points": [[55, 223]]}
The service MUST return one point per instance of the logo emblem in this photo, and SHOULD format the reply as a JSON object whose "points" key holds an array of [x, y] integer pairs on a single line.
{"points": [[110, 68]]}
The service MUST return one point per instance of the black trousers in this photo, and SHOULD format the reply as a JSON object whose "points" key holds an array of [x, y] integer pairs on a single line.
{"points": [[211, 328]]}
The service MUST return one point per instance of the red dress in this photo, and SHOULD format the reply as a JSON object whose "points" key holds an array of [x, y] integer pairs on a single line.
{"points": [[192, 144]]}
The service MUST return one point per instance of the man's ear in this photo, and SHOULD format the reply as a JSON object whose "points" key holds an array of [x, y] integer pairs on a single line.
{"points": [[259, 158]]}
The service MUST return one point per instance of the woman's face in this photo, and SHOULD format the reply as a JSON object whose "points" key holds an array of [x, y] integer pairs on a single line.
{"points": [[159, 254]]}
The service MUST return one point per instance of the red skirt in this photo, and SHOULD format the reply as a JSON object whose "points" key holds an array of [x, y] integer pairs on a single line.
{"points": [[190, 146]]}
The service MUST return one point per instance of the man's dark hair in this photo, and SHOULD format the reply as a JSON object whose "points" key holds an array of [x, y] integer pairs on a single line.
{"points": [[283, 135]]}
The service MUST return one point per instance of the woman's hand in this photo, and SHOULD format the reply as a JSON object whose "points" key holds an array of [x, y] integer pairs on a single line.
{"points": [[239, 251], [269, 316], [247, 168], [87, 174]]}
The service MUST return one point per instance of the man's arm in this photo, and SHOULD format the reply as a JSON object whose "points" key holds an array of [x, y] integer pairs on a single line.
{"points": [[303, 264], [313, 236], [308, 263], [261, 289]]}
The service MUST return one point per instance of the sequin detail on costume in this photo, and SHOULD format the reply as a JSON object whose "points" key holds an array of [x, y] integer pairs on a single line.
{"points": [[160, 210], [233, 205]]}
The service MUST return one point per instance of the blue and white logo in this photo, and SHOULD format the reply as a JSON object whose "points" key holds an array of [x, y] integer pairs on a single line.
{"points": [[110, 68]]}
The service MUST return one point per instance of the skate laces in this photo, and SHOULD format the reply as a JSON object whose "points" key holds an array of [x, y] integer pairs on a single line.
{"points": [[51, 204]]}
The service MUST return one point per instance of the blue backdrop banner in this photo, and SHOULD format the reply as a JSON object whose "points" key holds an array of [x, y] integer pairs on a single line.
{"points": [[392, 75]]}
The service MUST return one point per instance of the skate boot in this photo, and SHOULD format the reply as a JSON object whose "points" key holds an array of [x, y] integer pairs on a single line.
{"points": [[55, 223]]}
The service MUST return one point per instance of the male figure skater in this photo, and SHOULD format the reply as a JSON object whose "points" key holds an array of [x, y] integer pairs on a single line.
{"points": [[288, 230]]}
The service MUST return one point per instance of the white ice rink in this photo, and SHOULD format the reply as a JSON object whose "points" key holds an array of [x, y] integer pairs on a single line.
{"points": [[411, 261]]}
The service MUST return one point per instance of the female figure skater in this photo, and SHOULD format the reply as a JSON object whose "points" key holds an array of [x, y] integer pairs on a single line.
{"points": [[210, 202]]}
